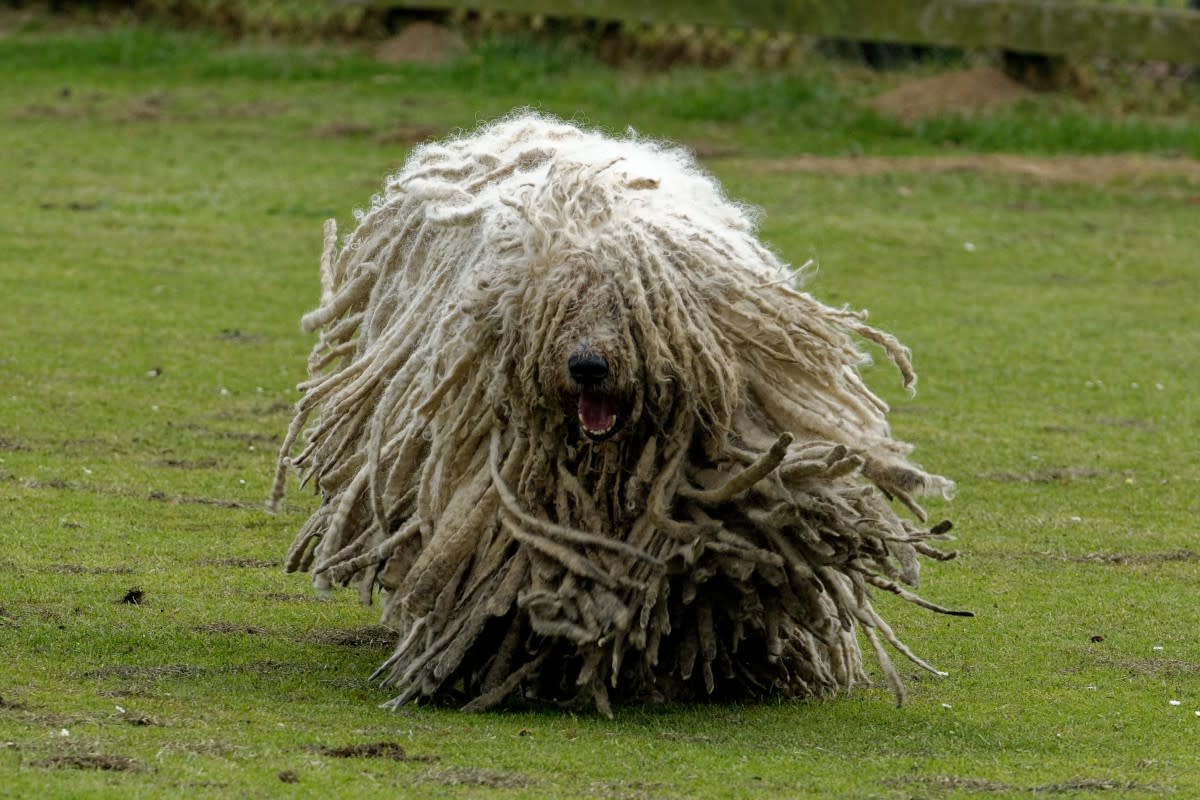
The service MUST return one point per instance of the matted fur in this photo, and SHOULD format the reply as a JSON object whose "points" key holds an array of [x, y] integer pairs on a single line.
{"points": [[721, 544]]}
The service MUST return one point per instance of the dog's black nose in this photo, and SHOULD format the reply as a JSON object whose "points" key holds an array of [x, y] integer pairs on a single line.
{"points": [[588, 369]]}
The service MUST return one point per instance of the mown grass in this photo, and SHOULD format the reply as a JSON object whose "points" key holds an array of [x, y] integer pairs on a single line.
{"points": [[162, 207]]}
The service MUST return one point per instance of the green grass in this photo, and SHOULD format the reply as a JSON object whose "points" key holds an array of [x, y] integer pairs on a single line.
{"points": [[161, 212]]}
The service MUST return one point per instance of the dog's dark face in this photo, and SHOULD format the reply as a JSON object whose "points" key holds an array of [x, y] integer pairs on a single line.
{"points": [[592, 394], [592, 363]]}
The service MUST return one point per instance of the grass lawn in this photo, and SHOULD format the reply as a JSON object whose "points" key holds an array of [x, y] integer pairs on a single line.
{"points": [[160, 218]]}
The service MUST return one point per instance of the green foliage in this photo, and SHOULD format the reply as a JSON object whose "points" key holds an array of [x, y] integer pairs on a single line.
{"points": [[162, 206]]}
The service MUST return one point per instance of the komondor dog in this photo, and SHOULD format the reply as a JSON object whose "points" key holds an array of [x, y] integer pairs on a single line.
{"points": [[571, 420]]}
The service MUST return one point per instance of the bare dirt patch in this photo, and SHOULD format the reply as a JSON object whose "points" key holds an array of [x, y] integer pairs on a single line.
{"points": [[264, 668], [12, 20], [422, 43], [1096, 785], [138, 719], [628, 790], [257, 109], [78, 569], [125, 693], [148, 108], [971, 91], [474, 776], [1055, 475], [1095, 170], [12, 446], [1133, 423], [407, 134], [187, 464], [100, 761], [71, 205], [240, 563], [61, 484], [245, 437], [705, 149], [389, 750], [178, 500], [1169, 668], [38, 715], [369, 636], [1112, 559], [11, 705], [399, 133], [293, 597], [239, 336], [207, 747], [231, 628], [955, 783], [46, 111], [345, 130], [1134, 558]]}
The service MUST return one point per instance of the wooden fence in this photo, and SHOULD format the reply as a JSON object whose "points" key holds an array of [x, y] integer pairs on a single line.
{"points": [[1052, 27]]}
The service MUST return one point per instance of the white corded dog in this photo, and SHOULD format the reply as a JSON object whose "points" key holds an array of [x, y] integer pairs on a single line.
{"points": [[572, 420]]}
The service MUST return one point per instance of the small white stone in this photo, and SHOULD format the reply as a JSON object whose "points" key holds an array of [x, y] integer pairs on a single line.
{"points": [[969, 247], [947, 705], [1174, 702], [64, 732], [1157, 648], [1076, 519]]}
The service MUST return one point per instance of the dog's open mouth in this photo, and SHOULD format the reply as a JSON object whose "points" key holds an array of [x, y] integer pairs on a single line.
{"points": [[599, 414]]}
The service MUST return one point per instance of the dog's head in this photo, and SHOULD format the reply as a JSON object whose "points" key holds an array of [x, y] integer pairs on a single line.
{"points": [[596, 371], [590, 280]]}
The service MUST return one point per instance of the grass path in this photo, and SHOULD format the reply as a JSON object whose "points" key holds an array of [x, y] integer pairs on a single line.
{"points": [[161, 222]]}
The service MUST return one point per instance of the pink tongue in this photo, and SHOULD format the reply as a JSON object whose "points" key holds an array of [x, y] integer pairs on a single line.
{"points": [[597, 411]]}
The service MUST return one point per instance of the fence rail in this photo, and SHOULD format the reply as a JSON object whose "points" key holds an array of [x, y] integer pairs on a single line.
{"points": [[1053, 27]]}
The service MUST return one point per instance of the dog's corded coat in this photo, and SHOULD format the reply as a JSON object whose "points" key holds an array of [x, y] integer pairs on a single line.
{"points": [[721, 543]]}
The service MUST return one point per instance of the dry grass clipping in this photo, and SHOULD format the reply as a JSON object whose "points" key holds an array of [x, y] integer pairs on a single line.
{"points": [[570, 421]]}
